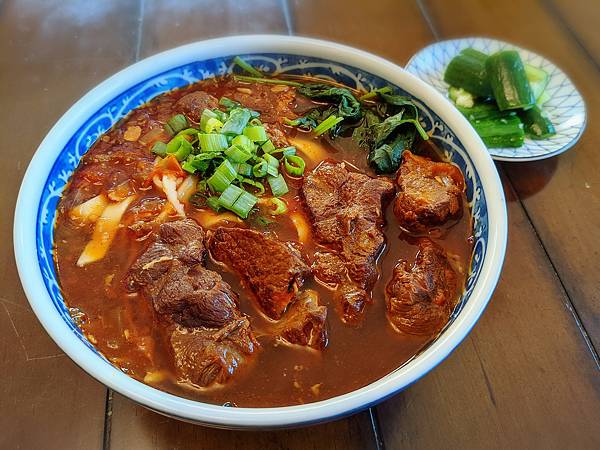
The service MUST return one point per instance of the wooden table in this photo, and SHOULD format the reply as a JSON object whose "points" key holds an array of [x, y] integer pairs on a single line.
{"points": [[528, 374]]}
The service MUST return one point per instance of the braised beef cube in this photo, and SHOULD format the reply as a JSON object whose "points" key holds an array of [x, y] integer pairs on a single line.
{"points": [[180, 240], [194, 103], [329, 267], [196, 297], [171, 274], [205, 357], [351, 301], [274, 103], [272, 269], [421, 298], [430, 193], [346, 210], [304, 321]]}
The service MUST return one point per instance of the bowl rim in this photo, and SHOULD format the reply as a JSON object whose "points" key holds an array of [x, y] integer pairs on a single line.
{"points": [[34, 180]]}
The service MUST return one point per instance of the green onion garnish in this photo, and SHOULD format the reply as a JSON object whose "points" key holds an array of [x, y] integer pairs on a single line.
{"points": [[244, 204], [243, 142], [222, 178], [256, 184], [256, 133], [159, 148], [179, 147], [213, 203], [238, 119], [229, 196], [228, 104], [260, 169], [247, 67], [294, 165], [278, 185], [280, 207], [237, 154], [244, 169], [267, 146], [177, 123], [267, 80], [328, 123], [212, 142]]}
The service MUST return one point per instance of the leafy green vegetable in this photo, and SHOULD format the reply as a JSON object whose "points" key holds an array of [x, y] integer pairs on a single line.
{"points": [[348, 106]]}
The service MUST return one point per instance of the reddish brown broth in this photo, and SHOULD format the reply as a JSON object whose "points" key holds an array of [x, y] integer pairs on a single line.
{"points": [[125, 328]]}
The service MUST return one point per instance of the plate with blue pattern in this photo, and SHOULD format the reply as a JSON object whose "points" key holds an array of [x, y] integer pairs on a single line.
{"points": [[565, 106]]}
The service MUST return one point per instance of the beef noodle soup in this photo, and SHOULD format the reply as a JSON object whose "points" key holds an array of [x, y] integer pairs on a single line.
{"points": [[257, 241]]}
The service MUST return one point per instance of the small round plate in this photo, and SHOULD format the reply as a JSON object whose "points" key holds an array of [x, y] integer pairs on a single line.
{"points": [[565, 107]]}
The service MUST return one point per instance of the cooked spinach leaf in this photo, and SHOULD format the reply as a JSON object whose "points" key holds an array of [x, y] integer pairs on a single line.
{"points": [[348, 106]]}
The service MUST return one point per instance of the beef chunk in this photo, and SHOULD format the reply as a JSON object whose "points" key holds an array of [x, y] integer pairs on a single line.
{"points": [[304, 321], [181, 240], [346, 212], [430, 193], [421, 298], [272, 269], [274, 103], [204, 357], [194, 103], [170, 273]]}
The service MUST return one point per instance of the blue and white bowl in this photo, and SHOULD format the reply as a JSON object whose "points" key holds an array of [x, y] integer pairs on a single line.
{"points": [[565, 106], [63, 147]]}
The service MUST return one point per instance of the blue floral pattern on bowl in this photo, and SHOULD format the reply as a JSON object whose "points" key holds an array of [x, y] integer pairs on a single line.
{"points": [[103, 119], [565, 106]]}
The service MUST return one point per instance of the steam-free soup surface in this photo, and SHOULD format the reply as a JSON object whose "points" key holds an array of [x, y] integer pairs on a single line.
{"points": [[124, 326]]}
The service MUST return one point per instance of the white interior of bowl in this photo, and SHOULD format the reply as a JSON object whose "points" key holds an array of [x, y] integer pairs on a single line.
{"points": [[31, 276]]}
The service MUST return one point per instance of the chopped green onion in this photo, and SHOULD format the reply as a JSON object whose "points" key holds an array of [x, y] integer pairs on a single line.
{"points": [[280, 207], [228, 103], [294, 165], [238, 119], [256, 184], [205, 116], [213, 203], [179, 147], [221, 115], [159, 148], [244, 204], [376, 92], [244, 169], [272, 165], [188, 166], [213, 125], [222, 178], [267, 146], [177, 123], [237, 154], [285, 151], [229, 196], [278, 185], [328, 123], [247, 67], [255, 121], [243, 142], [267, 80], [256, 133], [260, 169], [212, 142]]}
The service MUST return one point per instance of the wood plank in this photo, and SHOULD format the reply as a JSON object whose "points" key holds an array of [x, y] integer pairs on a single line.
{"points": [[505, 386], [561, 195], [581, 19], [50, 54], [134, 426]]}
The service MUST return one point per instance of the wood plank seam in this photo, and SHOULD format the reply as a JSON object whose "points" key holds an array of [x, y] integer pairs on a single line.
{"points": [[554, 12], [569, 302], [107, 419]]}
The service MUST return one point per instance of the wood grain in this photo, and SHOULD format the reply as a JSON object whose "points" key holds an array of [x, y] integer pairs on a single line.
{"points": [[133, 426], [561, 195], [50, 54], [581, 18]]}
